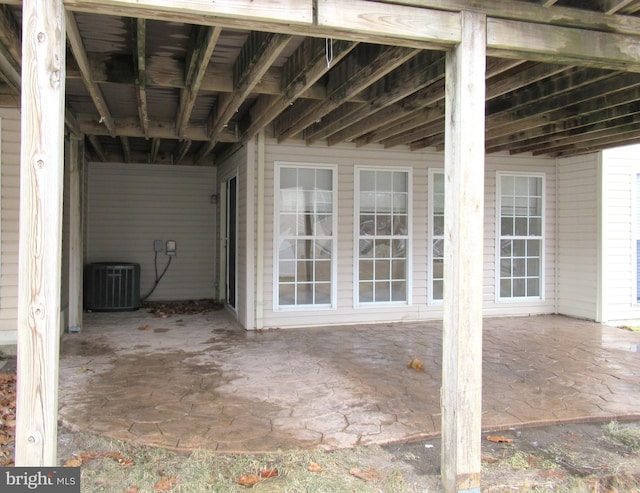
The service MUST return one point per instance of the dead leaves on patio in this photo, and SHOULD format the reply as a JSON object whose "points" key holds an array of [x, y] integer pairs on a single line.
{"points": [[252, 479], [7, 417], [80, 459], [415, 364]]}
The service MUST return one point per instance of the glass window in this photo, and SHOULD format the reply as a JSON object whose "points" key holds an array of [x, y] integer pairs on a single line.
{"points": [[520, 236], [436, 235], [383, 237], [305, 226]]}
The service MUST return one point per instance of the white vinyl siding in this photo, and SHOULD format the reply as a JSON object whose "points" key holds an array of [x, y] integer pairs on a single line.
{"points": [[620, 169], [383, 235], [305, 225], [130, 206], [346, 157], [240, 166], [520, 246], [10, 205], [578, 252]]}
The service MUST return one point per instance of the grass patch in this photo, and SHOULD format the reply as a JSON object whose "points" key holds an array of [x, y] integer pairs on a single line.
{"points": [[627, 435]]}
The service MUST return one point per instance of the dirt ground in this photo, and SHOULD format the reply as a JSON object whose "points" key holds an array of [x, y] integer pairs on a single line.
{"points": [[578, 457]]}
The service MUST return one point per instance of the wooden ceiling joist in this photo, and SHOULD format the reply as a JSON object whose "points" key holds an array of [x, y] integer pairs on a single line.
{"points": [[364, 66], [418, 73], [304, 68], [201, 49], [80, 55], [140, 72], [158, 129], [257, 55]]}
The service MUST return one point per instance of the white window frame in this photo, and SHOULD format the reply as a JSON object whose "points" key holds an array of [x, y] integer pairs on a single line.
{"points": [[276, 237], [498, 237], [409, 238], [430, 236]]}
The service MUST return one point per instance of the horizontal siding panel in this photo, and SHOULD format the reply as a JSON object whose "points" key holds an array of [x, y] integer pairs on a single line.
{"points": [[346, 157], [10, 205], [130, 206]]}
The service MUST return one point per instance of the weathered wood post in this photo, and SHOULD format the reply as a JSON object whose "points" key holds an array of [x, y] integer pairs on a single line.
{"points": [[461, 397], [41, 184]]}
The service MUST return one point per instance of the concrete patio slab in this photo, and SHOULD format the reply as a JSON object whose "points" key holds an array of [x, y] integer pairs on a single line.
{"points": [[201, 381]]}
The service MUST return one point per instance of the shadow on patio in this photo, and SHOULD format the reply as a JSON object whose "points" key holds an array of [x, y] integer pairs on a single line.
{"points": [[190, 381]]}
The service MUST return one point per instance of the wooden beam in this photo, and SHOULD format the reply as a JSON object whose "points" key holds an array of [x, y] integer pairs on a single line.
{"points": [[182, 151], [256, 56], [366, 65], [126, 150], [371, 21], [349, 17], [10, 35], [140, 72], [72, 124], [563, 45], [416, 74], [160, 129], [202, 46], [97, 147], [40, 236], [10, 50], [303, 69], [155, 148], [79, 53], [9, 72], [169, 72], [614, 6], [534, 13], [547, 128], [76, 232], [461, 397]]}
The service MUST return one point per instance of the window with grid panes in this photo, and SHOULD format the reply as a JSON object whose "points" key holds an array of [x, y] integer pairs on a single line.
{"points": [[383, 239], [305, 225], [521, 240]]}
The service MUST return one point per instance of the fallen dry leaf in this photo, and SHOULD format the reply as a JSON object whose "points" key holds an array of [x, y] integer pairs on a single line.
{"points": [[499, 439], [368, 474], [268, 473], [73, 462], [415, 364], [165, 483], [85, 370], [313, 467], [133, 489], [248, 480]]}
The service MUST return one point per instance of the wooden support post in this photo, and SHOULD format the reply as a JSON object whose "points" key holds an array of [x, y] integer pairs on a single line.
{"points": [[461, 397], [41, 184], [76, 249]]}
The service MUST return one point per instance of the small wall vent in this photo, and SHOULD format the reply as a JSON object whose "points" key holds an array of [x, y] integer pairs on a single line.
{"points": [[111, 286]]}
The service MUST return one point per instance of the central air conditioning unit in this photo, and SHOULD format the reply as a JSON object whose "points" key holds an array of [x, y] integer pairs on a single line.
{"points": [[111, 287]]}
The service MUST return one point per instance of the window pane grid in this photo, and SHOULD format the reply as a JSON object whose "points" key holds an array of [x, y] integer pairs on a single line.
{"points": [[384, 232], [437, 237], [520, 249], [305, 249]]}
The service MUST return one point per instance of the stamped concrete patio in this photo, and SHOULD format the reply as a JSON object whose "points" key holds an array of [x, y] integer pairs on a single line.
{"points": [[200, 381]]}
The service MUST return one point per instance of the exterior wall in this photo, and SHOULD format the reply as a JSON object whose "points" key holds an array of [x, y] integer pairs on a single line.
{"points": [[346, 157], [578, 230], [130, 206], [236, 166], [10, 195], [619, 233]]}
